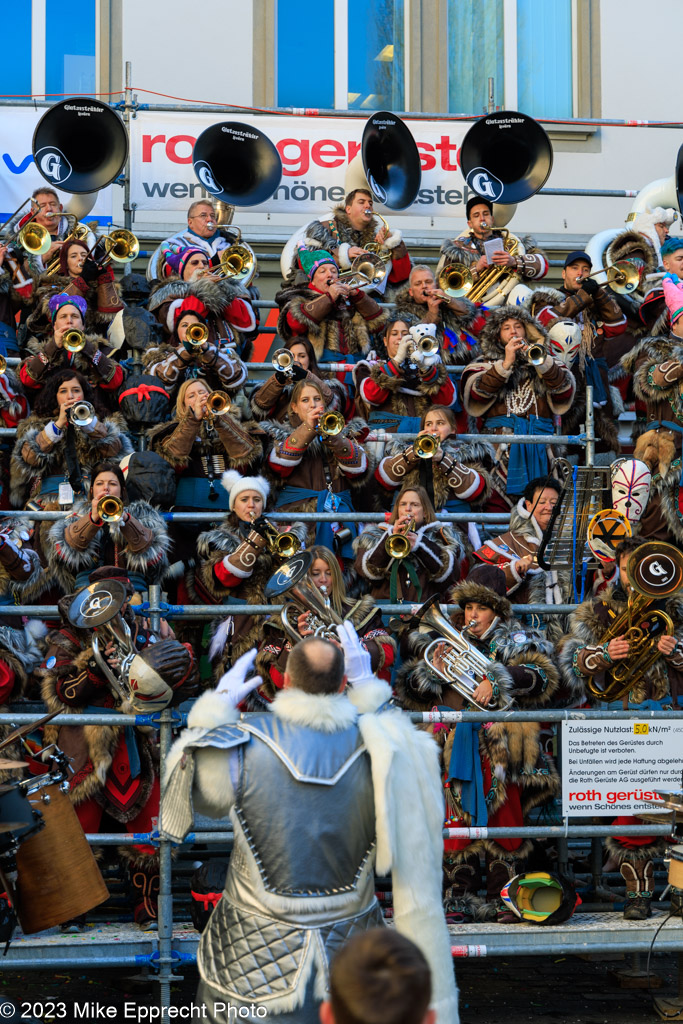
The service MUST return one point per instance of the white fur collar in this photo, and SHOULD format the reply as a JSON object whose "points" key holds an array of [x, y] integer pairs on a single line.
{"points": [[325, 712], [369, 697]]}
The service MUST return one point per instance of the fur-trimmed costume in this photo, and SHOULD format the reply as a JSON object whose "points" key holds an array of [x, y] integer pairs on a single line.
{"points": [[103, 300], [218, 365], [385, 388], [336, 235], [531, 263], [331, 327], [94, 362], [379, 791], [230, 312], [38, 462], [523, 399], [456, 481], [140, 545], [657, 367], [633, 245], [431, 567], [115, 769], [457, 323], [270, 400], [516, 774]]}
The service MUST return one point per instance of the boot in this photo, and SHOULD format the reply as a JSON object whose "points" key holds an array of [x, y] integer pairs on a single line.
{"points": [[461, 883], [640, 880], [498, 874]]}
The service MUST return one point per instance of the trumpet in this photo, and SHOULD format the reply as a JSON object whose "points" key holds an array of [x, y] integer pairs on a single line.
{"points": [[217, 404], [82, 414], [331, 424], [427, 346], [283, 361], [535, 353], [426, 446], [397, 544], [73, 340], [282, 545], [196, 335], [110, 508]]}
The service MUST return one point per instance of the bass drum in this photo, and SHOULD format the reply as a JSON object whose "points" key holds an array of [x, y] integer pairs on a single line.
{"points": [[57, 876]]}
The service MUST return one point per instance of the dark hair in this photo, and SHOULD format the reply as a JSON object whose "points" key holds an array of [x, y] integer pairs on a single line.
{"points": [[310, 352], [540, 483], [425, 501], [109, 467], [46, 402], [175, 338], [380, 977], [357, 191], [627, 546], [445, 410], [305, 670], [477, 201], [381, 340]]}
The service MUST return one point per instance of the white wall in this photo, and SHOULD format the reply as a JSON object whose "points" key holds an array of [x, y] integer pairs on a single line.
{"points": [[197, 50]]}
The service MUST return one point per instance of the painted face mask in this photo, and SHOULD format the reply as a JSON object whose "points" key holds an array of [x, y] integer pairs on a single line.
{"points": [[630, 487], [564, 341]]}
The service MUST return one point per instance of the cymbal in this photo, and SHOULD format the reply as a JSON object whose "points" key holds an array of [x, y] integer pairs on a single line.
{"points": [[12, 826], [5, 764], [16, 734]]}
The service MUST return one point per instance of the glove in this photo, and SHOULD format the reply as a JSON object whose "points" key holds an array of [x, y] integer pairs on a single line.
{"points": [[402, 350], [260, 526], [281, 378], [356, 658], [298, 372], [418, 357], [590, 285], [234, 685], [90, 271], [674, 278]]}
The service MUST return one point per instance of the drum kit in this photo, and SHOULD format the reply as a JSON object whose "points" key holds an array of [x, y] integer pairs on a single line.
{"points": [[46, 865]]}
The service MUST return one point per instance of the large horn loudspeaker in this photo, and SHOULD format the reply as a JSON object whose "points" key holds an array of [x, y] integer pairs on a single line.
{"points": [[80, 145], [237, 163]]}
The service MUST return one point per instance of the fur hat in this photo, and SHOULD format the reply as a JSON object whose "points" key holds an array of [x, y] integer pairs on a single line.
{"points": [[627, 243], [673, 293], [486, 585], [489, 336], [234, 483]]}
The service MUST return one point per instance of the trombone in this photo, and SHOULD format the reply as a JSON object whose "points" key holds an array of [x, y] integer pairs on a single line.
{"points": [[366, 269], [237, 262], [397, 544], [623, 277], [120, 246], [109, 507]]}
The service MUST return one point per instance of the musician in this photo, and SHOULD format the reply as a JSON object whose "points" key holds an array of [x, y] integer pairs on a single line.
{"points": [[270, 399], [317, 887], [115, 769], [277, 642], [432, 564], [394, 393], [590, 651], [234, 562], [230, 314], [202, 232], [339, 320], [53, 459], [201, 446], [21, 650], [509, 773], [137, 541], [454, 477], [350, 229], [180, 359], [638, 248], [526, 263], [657, 367], [510, 395], [317, 473], [13, 298], [52, 217], [458, 321], [67, 313]]}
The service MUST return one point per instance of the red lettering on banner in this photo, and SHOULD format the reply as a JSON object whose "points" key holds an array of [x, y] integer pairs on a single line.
{"points": [[148, 144], [172, 148], [299, 164], [445, 146], [328, 153], [427, 161], [354, 149]]}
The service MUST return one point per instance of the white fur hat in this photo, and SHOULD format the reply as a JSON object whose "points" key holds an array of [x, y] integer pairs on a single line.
{"points": [[234, 483]]}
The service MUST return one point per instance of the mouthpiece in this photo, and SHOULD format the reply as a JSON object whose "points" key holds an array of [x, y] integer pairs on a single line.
{"points": [[472, 622]]}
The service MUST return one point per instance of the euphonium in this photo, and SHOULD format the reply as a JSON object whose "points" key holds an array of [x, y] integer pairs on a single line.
{"points": [[217, 404], [397, 544], [110, 508], [196, 335], [305, 597], [82, 414], [331, 424], [426, 446], [654, 572], [462, 666], [73, 340]]}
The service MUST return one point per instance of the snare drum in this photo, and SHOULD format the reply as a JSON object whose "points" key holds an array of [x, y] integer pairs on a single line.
{"points": [[18, 819]]}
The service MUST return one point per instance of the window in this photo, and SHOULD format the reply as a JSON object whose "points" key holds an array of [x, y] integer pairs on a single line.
{"points": [[15, 69], [544, 58], [375, 46], [475, 33], [70, 47], [305, 54]]}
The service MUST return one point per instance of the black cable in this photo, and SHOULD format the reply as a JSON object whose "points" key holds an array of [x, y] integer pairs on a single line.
{"points": [[653, 999]]}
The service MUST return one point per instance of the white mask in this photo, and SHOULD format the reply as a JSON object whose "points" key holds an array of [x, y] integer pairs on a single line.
{"points": [[630, 487], [564, 341]]}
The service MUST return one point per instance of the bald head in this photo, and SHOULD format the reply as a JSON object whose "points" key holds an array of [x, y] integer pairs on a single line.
{"points": [[315, 666]]}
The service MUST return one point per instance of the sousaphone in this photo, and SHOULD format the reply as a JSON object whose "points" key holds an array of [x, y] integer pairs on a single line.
{"points": [[80, 145], [237, 163], [506, 157]]}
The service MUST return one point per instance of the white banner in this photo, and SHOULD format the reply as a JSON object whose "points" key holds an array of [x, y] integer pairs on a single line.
{"points": [[315, 153], [613, 768], [18, 173]]}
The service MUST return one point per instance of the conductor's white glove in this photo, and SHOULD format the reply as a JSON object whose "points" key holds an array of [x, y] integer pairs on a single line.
{"points": [[234, 685], [404, 346], [356, 658]]}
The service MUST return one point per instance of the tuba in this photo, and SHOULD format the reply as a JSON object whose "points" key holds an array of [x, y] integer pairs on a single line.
{"points": [[654, 571], [464, 667], [80, 145], [237, 163], [302, 596]]}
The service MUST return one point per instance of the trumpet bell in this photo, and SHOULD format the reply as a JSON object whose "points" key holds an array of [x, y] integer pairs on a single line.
{"points": [[536, 354], [455, 280], [34, 239], [82, 414], [73, 341], [110, 509], [426, 446], [121, 246], [218, 403], [371, 266], [506, 157], [196, 334], [282, 360], [331, 424], [285, 545], [397, 546]]}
